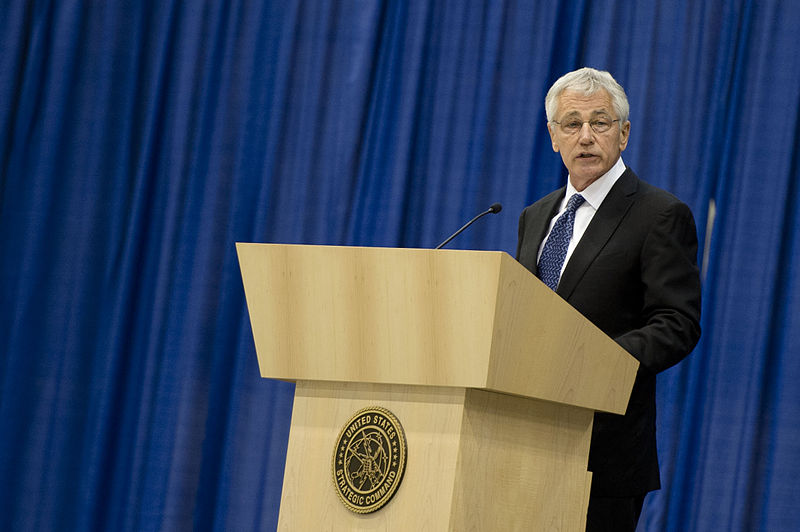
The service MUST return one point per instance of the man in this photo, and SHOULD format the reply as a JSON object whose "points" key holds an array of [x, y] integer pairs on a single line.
{"points": [[624, 254]]}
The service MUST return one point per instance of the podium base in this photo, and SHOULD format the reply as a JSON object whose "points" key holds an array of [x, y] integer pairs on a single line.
{"points": [[477, 460]]}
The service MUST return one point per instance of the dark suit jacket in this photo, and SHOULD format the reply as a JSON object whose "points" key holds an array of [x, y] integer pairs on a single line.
{"points": [[634, 275]]}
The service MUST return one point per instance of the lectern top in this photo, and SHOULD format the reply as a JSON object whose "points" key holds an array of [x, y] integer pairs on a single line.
{"points": [[474, 319]]}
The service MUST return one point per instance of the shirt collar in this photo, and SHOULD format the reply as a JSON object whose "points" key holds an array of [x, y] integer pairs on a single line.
{"points": [[595, 193]]}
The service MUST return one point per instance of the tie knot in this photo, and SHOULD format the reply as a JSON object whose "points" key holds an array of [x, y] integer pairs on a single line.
{"points": [[574, 202]]}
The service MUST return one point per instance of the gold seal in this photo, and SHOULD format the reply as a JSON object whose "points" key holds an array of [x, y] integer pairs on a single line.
{"points": [[369, 459]]}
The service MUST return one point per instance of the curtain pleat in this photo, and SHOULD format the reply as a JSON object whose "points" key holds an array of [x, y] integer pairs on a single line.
{"points": [[140, 140]]}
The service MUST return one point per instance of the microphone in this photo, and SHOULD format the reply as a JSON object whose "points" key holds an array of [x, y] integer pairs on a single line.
{"points": [[494, 209]]}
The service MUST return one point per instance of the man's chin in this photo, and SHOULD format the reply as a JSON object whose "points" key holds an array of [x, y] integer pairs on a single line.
{"points": [[587, 164], [581, 180]]}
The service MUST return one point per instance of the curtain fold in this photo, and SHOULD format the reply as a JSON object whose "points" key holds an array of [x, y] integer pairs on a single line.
{"points": [[140, 140]]}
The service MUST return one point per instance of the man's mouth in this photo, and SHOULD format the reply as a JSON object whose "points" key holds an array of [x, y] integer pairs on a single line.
{"points": [[585, 156]]}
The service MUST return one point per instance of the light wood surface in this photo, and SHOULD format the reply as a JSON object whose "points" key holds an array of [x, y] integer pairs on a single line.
{"points": [[471, 319], [476, 460], [522, 465], [494, 378]]}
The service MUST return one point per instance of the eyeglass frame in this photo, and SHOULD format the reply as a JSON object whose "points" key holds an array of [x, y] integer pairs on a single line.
{"points": [[586, 122]]}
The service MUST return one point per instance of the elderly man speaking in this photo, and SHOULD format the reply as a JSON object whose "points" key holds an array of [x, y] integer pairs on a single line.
{"points": [[624, 254]]}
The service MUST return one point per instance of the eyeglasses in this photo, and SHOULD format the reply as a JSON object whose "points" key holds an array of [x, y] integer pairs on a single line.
{"points": [[599, 124]]}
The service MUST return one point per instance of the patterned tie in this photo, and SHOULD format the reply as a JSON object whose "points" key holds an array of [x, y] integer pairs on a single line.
{"points": [[555, 249]]}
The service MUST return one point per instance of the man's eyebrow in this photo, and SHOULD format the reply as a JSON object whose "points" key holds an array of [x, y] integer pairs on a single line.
{"points": [[596, 112]]}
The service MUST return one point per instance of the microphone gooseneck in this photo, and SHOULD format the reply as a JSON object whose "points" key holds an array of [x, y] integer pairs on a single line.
{"points": [[494, 209]]}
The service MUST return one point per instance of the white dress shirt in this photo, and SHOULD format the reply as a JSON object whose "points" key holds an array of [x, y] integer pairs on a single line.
{"points": [[594, 195]]}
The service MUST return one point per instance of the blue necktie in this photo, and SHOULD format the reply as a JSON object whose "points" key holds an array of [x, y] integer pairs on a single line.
{"points": [[555, 249]]}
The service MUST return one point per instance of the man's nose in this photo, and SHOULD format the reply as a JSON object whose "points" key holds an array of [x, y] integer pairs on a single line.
{"points": [[586, 134]]}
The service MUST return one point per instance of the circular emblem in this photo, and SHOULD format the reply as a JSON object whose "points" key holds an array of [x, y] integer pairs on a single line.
{"points": [[369, 459]]}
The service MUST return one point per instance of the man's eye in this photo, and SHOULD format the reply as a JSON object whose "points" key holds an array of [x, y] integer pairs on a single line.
{"points": [[573, 124]]}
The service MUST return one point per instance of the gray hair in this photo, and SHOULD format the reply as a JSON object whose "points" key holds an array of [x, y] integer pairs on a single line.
{"points": [[588, 81]]}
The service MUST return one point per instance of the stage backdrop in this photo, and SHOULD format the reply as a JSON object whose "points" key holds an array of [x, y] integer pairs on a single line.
{"points": [[139, 140]]}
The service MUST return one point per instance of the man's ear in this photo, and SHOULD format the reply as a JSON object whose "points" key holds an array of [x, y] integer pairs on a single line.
{"points": [[624, 135], [552, 131]]}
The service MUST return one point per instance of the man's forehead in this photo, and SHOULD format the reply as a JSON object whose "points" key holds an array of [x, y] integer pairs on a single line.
{"points": [[575, 103]]}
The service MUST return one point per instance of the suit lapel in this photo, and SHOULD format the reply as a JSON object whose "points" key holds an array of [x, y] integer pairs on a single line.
{"points": [[541, 222], [601, 228]]}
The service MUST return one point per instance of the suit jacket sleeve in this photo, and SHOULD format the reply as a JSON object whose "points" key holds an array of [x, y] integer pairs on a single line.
{"points": [[671, 292]]}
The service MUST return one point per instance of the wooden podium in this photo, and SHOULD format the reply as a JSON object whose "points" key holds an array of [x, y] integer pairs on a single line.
{"points": [[494, 378]]}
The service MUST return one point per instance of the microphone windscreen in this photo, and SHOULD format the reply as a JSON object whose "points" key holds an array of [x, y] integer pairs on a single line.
{"points": [[495, 208]]}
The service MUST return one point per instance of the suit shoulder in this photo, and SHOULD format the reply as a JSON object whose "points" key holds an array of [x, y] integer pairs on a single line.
{"points": [[657, 199], [543, 201]]}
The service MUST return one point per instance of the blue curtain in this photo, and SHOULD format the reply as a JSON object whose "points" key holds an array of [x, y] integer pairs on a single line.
{"points": [[139, 140]]}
